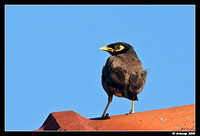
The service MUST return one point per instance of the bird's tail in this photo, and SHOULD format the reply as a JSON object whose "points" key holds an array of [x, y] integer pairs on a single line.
{"points": [[132, 96]]}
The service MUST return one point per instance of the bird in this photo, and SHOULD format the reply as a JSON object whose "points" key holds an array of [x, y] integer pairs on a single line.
{"points": [[123, 74]]}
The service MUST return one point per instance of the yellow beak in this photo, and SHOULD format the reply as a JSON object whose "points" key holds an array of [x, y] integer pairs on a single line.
{"points": [[106, 48]]}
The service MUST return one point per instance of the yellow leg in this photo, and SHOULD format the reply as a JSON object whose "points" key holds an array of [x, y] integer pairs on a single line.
{"points": [[132, 110], [109, 101]]}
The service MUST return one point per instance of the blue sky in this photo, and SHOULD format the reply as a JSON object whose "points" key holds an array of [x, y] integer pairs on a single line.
{"points": [[53, 61]]}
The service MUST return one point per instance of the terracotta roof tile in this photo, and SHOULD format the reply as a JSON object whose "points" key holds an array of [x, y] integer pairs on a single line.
{"points": [[173, 119]]}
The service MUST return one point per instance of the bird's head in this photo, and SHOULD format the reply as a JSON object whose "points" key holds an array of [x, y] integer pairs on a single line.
{"points": [[119, 48]]}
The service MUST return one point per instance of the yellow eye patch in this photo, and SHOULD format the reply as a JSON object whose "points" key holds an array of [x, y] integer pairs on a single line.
{"points": [[119, 48]]}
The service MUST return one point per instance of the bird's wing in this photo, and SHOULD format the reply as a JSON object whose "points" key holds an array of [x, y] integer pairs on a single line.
{"points": [[137, 81], [113, 73]]}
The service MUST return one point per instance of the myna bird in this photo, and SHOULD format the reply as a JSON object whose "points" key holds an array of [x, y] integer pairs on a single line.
{"points": [[123, 74]]}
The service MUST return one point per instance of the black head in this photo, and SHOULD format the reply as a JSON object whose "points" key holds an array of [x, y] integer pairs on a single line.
{"points": [[119, 48]]}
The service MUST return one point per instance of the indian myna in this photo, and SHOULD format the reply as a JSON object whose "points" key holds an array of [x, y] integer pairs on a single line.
{"points": [[123, 74]]}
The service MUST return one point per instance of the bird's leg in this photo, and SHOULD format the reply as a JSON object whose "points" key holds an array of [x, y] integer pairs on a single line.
{"points": [[132, 110], [109, 101]]}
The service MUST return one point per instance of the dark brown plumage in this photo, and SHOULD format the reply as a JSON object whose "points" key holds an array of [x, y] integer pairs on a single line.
{"points": [[123, 74]]}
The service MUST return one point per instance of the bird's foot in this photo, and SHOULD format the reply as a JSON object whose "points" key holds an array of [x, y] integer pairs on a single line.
{"points": [[106, 116], [132, 111]]}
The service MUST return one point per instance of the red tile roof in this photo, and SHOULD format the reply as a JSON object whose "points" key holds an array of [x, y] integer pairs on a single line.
{"points": [[173, 119]]}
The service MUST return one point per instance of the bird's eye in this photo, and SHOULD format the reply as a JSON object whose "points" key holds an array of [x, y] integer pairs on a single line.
{"points": [[117, 47]]}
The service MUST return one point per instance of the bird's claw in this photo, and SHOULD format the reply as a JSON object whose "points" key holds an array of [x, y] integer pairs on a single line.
{"points": [[131, 112], [106, 116]]}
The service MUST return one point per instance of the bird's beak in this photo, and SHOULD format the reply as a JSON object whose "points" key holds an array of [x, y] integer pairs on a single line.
{"points": [[106, 48]]}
